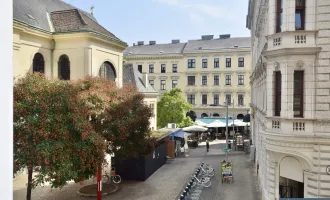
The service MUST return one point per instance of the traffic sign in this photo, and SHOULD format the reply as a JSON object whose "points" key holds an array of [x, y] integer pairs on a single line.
{"points": [[225, 150]]}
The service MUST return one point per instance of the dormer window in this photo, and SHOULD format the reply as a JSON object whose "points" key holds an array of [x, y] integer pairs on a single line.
{"points": [[300, 15]]}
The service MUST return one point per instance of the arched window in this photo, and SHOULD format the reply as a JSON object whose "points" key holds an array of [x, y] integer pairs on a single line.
{"points": [[240, 116], [64, 68], [216, 115], [38, 63], [204, 115], [107, 71]]}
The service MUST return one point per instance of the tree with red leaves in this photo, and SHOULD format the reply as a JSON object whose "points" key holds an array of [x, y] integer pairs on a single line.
{"points": [[52, 133], [119, 115]]}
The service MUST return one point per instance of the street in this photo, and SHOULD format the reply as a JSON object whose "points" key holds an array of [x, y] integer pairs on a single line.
{"points": [[167, 182]]}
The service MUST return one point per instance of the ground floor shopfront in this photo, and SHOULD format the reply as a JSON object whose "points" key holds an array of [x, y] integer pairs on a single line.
{"points": [[290, 165]]}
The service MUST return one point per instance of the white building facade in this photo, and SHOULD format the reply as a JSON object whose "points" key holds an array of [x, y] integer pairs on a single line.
{"points": [[290, 97]]}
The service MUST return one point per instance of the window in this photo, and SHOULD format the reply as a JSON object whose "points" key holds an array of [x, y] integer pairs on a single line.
{"points": [[228, 80], [152, 83], [191, 80], [216, 62], [241, 62], [174, 68], [279, 15], [216, 99], [228, 99], [204, 99], [277, 88], [152, 106], [107, 71], [163, 84], [163, 68], [38, 63], [151, 68], [64, 68], [300, 15], [216, 79], [204, 63], [140, 68], [240, 101], [174, 83], [191, 63], [228, 62], [204, 80], [191, 99], [240, 79], [298, 94]]}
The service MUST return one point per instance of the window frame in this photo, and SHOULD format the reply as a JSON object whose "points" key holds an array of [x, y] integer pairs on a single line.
{"points": [[277, 92], [174, 68], [279, 15], [66, 68], [140, 69], [240, 79], [302, 11], [151, 68], [192, 80], [38, 64], [204, 63], [162, 68], [204, 81], [229, 101], [216, 98], [153, 83], [162, 86], [299, 93], [191, 99], [216, 63], [204, 95], [176, 84], [228, 62], [214, 80], [191, 63], [228, 79], [241, 62], [240, 101]]}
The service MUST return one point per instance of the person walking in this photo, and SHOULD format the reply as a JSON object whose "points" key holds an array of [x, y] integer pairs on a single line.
{"points": [[207, 146]]}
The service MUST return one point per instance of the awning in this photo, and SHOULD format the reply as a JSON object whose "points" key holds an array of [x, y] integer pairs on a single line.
{"points": [[179, 133]]}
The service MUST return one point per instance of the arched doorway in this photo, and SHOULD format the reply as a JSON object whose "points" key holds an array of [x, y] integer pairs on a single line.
{"points": [[216, 115], [204, 115], [38, 63], [107, 71], [240, 116], [64, 68]]}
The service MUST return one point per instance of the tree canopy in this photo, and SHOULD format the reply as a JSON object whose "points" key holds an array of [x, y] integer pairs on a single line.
{"points": [[172, 108]]}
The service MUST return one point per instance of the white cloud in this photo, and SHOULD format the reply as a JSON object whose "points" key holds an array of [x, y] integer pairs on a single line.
{"points": [[197, 11]]}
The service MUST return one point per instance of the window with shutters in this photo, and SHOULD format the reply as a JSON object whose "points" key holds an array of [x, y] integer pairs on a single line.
{"points": [[64, 68]]}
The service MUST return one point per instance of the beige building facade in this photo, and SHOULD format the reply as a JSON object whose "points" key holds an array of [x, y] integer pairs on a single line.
{"points": [[208, 71], [290, 96]]}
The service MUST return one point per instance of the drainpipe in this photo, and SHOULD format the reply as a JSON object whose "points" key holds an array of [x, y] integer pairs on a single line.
{"points": [[52, 57]]}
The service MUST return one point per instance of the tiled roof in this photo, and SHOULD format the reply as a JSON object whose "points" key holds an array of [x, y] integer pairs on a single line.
{"points": [[155, 49], [214, 44], [131, 75], [64, 17]]}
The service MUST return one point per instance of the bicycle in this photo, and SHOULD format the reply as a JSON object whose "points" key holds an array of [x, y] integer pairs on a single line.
{"points": [[205, 181], [115, 178], [208, 171]]}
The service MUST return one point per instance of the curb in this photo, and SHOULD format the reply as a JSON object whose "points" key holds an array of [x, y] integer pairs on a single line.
{"points": [[103, 194]]}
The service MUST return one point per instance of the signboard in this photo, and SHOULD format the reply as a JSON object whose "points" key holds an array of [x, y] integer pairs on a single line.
{"points": [[226, 169], [225, 150]]}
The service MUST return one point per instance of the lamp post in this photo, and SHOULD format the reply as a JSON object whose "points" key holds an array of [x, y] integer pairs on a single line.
{"points": [[226, 106]]}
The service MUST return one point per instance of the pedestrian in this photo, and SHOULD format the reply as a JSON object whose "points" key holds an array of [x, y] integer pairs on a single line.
{"points": [[207, 145]]}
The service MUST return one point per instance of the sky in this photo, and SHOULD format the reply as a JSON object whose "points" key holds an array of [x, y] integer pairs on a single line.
{"points": [[164, 20]]}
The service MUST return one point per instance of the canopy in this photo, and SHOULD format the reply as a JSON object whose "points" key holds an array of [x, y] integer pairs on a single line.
{"points": [[237, 123], [217, 123], [180, 134], [194, 129], [200, 123]]}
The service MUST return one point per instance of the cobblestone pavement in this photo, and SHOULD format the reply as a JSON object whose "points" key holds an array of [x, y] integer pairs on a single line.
{"points": [[245, 181], [167, 182]]}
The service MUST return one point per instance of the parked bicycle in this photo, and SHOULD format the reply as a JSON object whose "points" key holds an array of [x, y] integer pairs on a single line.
{"points": [[208, 171], [205, 181], [115, 178]]}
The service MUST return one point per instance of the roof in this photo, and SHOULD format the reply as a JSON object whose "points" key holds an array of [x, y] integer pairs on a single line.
{"points": [[131, 75], [65, 17], [217, 44], [155, 49]]}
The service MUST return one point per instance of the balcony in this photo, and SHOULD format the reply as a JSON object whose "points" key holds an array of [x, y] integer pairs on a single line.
{"points": [[292, 42]]}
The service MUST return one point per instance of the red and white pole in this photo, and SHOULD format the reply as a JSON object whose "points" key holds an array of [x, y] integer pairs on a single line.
{"points": [[99, 184]]}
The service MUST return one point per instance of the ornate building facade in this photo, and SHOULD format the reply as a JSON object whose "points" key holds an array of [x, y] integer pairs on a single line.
{"points": [[290, 85], [208, 71]]}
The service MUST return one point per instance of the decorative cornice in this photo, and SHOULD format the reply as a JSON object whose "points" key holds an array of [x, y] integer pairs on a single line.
{"points": [[292, 51], [153, 57]]}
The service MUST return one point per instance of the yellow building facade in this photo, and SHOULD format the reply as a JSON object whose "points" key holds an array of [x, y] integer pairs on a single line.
{"points": [[208, 71]]}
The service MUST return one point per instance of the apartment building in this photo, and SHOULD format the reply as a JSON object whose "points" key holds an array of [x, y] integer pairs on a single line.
{"points": [[290, 96], [208, 71]]}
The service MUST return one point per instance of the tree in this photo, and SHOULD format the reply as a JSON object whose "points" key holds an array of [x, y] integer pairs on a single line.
{"points": [[52, 133], [119, 115], [192, 115], [186, 122], [171, 108]]}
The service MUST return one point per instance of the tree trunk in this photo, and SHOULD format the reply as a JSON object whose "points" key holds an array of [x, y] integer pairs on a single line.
{"points": [[29, 186]]}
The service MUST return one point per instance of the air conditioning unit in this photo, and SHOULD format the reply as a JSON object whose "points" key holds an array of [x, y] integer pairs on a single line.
{"points": [[171, 125]]}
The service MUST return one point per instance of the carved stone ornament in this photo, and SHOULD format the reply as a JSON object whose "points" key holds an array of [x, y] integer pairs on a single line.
{"points": [[277, 66], [300, 64]]}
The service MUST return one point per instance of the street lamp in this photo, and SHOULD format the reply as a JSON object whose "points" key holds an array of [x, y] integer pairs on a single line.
{"points": [[226, 106]]}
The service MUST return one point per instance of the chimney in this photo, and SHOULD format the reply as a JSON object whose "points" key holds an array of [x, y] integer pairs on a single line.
{"points": [[92, 8], [152, 42], [207, 37], [140, 43], [175, 41], [145, 79], [225, 36]]}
